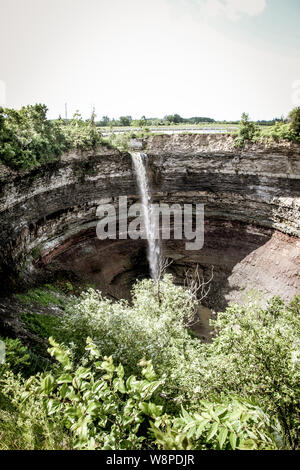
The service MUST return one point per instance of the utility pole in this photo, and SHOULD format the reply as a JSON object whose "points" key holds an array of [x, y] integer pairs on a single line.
{"points": [[66, 110]]}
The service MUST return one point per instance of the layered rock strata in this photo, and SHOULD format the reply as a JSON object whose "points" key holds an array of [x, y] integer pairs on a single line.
{"points": [[252, 221]]}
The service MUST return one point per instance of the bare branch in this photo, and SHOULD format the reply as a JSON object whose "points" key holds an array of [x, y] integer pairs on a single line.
{"points": [[199, 289], [164, 263]]}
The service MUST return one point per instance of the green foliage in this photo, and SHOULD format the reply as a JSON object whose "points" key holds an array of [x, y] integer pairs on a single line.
{"points": [[122, 140], [281, 131], [80, 134], [89, 402], [125, 120], [17, 357], [65, 287], [42, 325], [104, 121], [35, 253], [228, 425], [248, 131], [119, 141], [177, 119], [152, 326], [28, 138], [23, 359], [69, 286], [256, 353], [24, 423], [96, 405], [44, 296], [295, 122], [140, 122]]}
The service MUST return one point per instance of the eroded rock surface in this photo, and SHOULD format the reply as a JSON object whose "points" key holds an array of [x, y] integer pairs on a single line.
{"points": [[252, 222]]}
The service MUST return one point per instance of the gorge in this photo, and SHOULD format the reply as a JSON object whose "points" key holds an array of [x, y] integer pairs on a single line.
{"points": [[252, 222]]}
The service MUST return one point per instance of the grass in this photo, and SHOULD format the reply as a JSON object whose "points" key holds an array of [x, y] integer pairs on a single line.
{"points": [[187, 127], [42, 325]]}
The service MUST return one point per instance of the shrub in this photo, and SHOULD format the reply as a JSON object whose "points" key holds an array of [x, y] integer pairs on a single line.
{"points": [[17, 356], [153, 326], [95, 406], [295, 121], [23, 359], [247, 131], [24, 424], [255, 351], [29, 139], [280, 131], [93, 403], [251, 369], [42, 325], [229, 425], [80, 134]]}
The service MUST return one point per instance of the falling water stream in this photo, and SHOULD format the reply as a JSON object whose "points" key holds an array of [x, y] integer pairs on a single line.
{"points": [[139, 161]]}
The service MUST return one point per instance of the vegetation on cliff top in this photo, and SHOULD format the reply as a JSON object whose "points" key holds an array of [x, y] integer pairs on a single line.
{"points": [[124, 381], [28, 138], [289, 130]]}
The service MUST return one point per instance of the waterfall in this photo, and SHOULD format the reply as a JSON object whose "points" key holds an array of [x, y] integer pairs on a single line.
{"points": [[153, 252]]}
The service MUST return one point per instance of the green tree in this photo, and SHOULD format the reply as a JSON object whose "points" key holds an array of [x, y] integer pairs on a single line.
{"points": [[174, 118], [125, 120], [295, 121], [104, 121], [256, 352], [28, 138], [247, 131]]}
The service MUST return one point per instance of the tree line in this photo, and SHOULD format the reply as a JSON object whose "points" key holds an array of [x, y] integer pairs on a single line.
{"points": [[171, 119]]}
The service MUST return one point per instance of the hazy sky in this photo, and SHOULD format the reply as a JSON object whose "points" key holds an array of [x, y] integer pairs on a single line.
{"points": [[213, 58]]}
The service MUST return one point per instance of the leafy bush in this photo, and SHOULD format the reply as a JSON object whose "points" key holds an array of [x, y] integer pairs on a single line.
{"points": [[247, 131], [23, 359], [93, 402], [255, 351], [228, 425], [17, 356], [280, 131], [25, 425], [295, 121], [250, 132], [122, 140], [152, 326], [42, 325], [80, 134], [95, 406], [28, 138], [229, 388]]}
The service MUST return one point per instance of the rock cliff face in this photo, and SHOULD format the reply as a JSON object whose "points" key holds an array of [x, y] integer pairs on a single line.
{"points": [[252, 221]]}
